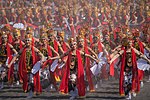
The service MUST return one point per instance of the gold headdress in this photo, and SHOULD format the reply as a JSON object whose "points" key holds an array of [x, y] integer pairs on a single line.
{"points": [[125, 41], [61, 34], [29, 30], [28, 36], [16, 31], [80, 37], [37, 10], [6, 28], [43, 30], [82, 31], [137, 33], [43, 36], [50, 32], [2, 33], [71, 40], [96, 35]]}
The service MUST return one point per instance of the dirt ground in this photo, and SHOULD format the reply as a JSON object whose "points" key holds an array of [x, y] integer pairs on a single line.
{"points": [[107, 90]]}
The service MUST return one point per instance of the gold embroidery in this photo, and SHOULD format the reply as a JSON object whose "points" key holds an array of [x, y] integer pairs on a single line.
{"points": [[44, 52], [3, 54], [28, 60]]}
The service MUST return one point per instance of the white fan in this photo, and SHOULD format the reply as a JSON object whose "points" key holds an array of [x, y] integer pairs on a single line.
{"points": [[36, 67], [19, 26], [54, 65]]}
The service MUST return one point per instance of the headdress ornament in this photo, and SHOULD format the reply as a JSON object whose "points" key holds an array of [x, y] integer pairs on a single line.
{"points": [[29, 30], [61, 34], [16, 31], [71, 40], [43, 36], [2, 33], [28, 36]]}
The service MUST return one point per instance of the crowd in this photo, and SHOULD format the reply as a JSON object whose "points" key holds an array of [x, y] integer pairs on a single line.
{"points": [[74, 43]]}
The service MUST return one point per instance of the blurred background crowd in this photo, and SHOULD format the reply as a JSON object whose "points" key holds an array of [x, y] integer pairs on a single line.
{"points": [[110, 18]]}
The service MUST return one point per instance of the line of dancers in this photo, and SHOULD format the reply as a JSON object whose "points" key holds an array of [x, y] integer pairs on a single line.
{"points": [[73, 66]]}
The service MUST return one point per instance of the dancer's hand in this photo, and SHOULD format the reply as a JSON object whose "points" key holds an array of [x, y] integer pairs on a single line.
{"points": [[8, 66], [97, 61], [48, 58], [42, 62], [59, 60]]}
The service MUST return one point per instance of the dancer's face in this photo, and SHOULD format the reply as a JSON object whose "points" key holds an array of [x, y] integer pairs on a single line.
{"points": [[130, 43], [16, 36], [59, 38], [81, 43], [28, 42], [43, 40], [95, 39], [4, 38], [73, 45], [50, 37]]}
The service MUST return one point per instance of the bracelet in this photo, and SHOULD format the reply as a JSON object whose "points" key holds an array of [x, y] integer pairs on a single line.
{"points": [[119, 53]]}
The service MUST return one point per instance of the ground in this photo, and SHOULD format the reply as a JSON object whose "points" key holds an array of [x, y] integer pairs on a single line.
{"points": [[107, 90]]}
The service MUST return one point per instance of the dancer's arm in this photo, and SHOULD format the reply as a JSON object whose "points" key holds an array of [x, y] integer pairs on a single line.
{"points": [[57, 55], [12, 48], [93, 52], [105, 51], [40, 54], [146, 47], [141, 55], [59, 46], [14, 56], [87, 55], [115, 51], [116, 56]]}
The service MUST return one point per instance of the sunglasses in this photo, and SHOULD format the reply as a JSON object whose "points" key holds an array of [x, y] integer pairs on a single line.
{"points": [[43, 39], [73, 44], [50, 35], [28, 40]]}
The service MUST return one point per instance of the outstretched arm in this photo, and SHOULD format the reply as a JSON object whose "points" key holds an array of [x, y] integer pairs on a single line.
{"points": [[12, 48], [105, 51], [40, 54], [67, 45], [93, 52], [56, 57], [59, 46], [117, 48], [115, 51], [13, 60], [14, 56], [116, 56], [65, 54], [91, 57], [146, 47], [141, 55]]}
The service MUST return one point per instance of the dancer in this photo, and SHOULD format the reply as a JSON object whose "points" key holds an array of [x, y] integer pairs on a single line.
{"points": [[6, 53], [28, 57], [86, 61], [48, 52], [99, 48], [73, 79], [141, 64], [18, 45], [129, 81]]}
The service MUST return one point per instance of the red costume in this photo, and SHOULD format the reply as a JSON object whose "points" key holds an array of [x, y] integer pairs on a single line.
{"points": [[88, 72], [141, 72], [135, 81], [80, 76], [23, 72]]}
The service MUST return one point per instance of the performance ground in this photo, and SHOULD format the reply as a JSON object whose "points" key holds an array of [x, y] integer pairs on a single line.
{"points": [[107, 90]]}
